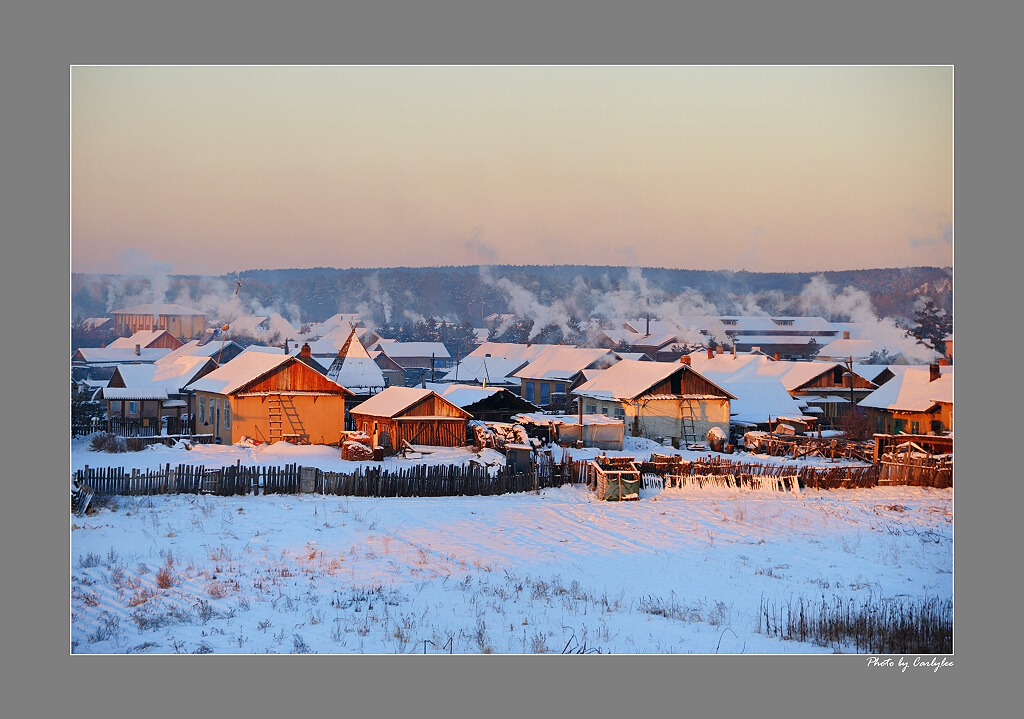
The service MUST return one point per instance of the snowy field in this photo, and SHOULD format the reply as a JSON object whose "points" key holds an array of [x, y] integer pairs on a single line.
{"points": [[682, 571]]}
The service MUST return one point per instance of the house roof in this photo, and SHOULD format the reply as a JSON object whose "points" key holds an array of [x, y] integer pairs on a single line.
{"points": [[638, 339], [395, 400], [758, 368], [143, 338], [241, 371], [629, 379], [415, 349], [193, 348], [118, 355], [147, 381], [757, 401], [466, 395], [853, 348], [497, 370], [911, 391], [158, 309], [354, 369], [511, 350], [563, 362]]}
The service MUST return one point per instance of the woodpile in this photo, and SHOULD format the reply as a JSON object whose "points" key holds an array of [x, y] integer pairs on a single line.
{"points": [[495, 435], [356, 447]]}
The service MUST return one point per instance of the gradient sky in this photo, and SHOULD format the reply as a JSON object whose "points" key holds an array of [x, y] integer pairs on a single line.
{"points": [[212, 170]]}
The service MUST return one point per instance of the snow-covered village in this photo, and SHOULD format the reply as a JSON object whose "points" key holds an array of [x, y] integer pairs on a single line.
{"points": [[398, 437]]}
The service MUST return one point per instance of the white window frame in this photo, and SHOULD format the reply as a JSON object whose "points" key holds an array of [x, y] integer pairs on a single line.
{"points": [[202, 410]]}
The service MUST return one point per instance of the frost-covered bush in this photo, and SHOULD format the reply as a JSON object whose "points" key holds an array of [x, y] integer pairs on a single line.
{"points": [[108, 442]]}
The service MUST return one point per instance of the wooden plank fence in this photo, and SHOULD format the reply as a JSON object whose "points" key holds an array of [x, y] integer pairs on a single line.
{"points": [[415, 481]]}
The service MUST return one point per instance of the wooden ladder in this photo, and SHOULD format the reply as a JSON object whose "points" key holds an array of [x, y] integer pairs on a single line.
{"points": [[274, 417], [686, 424]]}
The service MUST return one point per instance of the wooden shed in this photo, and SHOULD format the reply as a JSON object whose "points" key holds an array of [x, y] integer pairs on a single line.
{"points": [[413, 415]]}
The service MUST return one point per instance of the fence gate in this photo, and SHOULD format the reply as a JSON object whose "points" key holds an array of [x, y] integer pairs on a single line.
{"points": [[307, 480], [211, 481]]}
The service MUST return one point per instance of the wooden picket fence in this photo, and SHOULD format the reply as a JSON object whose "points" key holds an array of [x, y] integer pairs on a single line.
{"points": [[416, 481], [719, 472]]}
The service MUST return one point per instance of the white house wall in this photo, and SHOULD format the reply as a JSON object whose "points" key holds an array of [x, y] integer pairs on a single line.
{"points": [[662, 419]]}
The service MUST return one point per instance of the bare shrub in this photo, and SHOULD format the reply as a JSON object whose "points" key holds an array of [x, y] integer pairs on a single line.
{"points": [[217, 589], [164, 577], [855, 425], [108, 442]]}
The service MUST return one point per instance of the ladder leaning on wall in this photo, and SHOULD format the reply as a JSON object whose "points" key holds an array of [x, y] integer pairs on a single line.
{"points": [[686, 423], [274, 416]]}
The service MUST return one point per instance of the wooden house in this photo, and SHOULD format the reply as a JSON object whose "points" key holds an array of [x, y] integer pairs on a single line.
{"points": [[411, 363], [413, 415], [181, 322], [270, 397], [915, 401], [658, 400], [144, 399]]}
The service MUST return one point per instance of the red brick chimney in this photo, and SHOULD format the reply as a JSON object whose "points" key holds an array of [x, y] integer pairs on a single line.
{"points": [[777, 357], [711, 353], [933, 372], [944, 362], [305, 352], [685, 359]]}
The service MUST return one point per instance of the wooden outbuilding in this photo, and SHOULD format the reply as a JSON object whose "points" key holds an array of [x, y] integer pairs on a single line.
{"points": [[413, 415]]}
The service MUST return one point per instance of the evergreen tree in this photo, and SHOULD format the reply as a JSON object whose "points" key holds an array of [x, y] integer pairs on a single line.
{"points": [[933, 326]]}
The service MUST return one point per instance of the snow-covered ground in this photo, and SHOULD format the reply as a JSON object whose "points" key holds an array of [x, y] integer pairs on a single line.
{"points": [[680, 571]]}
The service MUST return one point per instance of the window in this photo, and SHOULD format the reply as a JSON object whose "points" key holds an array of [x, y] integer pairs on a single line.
{"points": [[545, 394], [837, 376], [133, 407], [560, 388], [591, 409], [620, 413], [529, 391], [915, 428], [212, 417], [604, 410], [227, 413], [202, 411], [898, 425]]}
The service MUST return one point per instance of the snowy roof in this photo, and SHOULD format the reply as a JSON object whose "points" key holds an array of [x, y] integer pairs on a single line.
{"points": [[498, 370], [633, 356], [911, 391], [510, 350], [756, 401], [143, 338], [393, 401], [628, 379], [415, 349], [240, 371], [163, 308], [353, 368], [658, 327], [464, 395], [193, 348], [758, 368], [119, 355], [853, 348], [562, 362], [762, 323], [155, 381], [94, 323], [638, 339], [778, 339]]}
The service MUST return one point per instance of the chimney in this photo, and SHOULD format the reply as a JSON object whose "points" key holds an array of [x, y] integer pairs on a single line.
{"points": [[711, 353], [943, 362], [305, 352], [138, 349], [685, 359], [846, 334], [777, 357], [933, 372], [734, 350]]}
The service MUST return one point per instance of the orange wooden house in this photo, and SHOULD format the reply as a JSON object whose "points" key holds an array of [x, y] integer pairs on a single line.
{"points": [[270, 397]]}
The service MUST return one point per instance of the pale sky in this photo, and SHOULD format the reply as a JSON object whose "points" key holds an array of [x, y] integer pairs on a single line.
{"points": [[211, 170]]}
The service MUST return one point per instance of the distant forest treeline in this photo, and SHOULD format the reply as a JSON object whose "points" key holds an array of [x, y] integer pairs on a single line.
{"points": [[392, 296]]}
